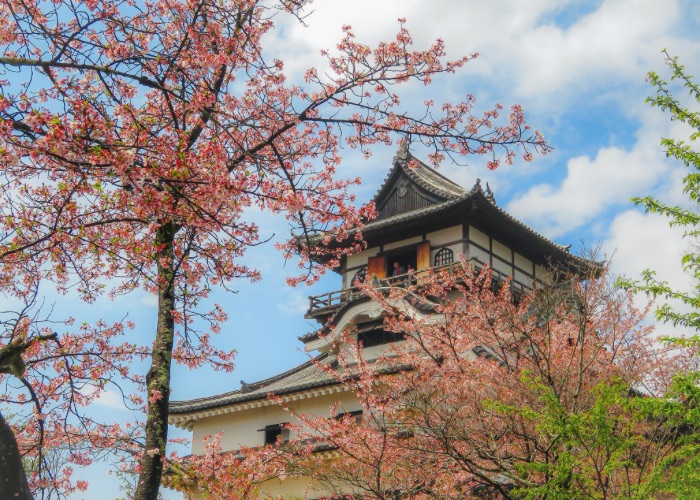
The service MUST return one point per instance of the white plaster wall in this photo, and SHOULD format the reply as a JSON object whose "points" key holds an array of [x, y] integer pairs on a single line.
{"points": [[443, 236], [289, 488], [360, 258], [502, 267], [456, 250], [478, 237], [403, 243], [501, 250], [439, 238], [480, 254], [241, 428], [523, 263], [522, 278], [540, 273]]}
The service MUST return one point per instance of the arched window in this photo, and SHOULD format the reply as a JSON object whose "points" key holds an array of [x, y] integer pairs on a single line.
{"points": [[359, 276], [444, 256]]}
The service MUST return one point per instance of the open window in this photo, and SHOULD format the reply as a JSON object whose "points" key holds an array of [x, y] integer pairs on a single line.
{"points": [[357, 415], [406, 259], [416, 258], [274, 431]]}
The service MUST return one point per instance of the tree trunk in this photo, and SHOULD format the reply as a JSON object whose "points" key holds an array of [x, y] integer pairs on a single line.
{"points": [[13, 480], [158, 378]]}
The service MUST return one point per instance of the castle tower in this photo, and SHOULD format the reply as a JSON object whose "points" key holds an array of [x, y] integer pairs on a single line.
{"points": [[425, 223]]}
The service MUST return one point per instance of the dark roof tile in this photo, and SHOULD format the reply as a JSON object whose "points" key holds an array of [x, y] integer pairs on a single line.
{"points": [[308, 375]]}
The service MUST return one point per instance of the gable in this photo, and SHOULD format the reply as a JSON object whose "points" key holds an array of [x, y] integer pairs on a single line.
{"points": [[404, 197], [412, 185]]}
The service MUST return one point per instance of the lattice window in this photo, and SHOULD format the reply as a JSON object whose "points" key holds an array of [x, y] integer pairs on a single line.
{"points": [[444, 256], [359, 276], [378, 337]]}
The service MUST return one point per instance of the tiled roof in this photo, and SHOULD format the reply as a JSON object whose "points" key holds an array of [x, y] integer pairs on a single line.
{"points": [[426, 177], [420, 303], [308, 375], [473, 194], [452, 194], [434, 181], [389, 221], [448, 196]]}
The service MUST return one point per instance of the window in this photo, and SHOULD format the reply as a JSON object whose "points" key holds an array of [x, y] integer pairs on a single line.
{"points": [[357, 415], [359, 276], [444, 256], [272, 432], [378, 337], [408, 259]]}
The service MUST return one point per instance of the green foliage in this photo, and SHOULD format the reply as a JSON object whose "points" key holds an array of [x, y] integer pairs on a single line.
{"points": [[677, 473], [589, 450], [623, 445], [678, 216]]}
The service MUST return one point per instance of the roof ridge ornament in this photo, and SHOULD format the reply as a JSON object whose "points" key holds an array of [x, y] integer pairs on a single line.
{"points": [[246, 388], [489, 194], [402, 153]]}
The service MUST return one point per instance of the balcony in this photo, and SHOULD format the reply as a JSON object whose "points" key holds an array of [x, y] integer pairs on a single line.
{"points": [[326, 304]]}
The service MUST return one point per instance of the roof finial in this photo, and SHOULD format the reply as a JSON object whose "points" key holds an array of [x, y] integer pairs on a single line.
{"points": [[489, 193], [402, 152], [477, 185], [246, 387]]}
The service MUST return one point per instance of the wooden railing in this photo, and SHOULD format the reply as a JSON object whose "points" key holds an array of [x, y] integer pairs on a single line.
{"points": [[327, 302]]}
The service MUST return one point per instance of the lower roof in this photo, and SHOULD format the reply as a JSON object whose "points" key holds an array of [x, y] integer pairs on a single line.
{"points": [[309, 375]]}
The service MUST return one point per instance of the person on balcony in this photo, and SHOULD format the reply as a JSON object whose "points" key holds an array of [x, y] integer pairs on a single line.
{"points": [[398, 269]]}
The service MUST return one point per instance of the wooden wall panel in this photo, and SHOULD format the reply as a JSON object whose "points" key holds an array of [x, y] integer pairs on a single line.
{"points": [[423, 256], [376, 266]]}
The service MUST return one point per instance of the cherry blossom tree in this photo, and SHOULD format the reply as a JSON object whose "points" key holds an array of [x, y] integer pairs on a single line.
{"points": [[236, 474], [51, 372], [136, 135], [556, 394]]}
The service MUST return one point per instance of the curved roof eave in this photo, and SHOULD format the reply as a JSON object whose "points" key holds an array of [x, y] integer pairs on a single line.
{"points": [[308, 375], [475, 199]]}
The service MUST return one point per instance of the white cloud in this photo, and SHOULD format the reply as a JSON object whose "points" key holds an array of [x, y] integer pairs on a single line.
{"points": [[592, 185], [642, 241], [296, 303], [110, 399], [639, 241], [620, 39], [539, 48]]}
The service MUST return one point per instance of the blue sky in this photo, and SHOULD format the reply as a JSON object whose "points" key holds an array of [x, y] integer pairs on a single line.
{"points": [[577, 67]]}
